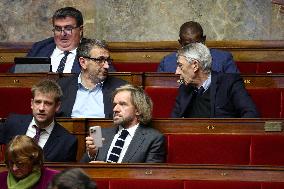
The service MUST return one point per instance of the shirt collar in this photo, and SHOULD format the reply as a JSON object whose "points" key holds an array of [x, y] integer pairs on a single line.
{"points": [[130, 130], [207, 82], [58, 51], [80, 84], [48, 129]]}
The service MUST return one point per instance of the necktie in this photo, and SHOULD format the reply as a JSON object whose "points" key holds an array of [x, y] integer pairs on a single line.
{"points": [[38, 132], [200, 91], [62, 62], [117, 148]]}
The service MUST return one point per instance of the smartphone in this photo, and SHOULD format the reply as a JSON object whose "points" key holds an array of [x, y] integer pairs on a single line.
{"points": [[96, 133]]}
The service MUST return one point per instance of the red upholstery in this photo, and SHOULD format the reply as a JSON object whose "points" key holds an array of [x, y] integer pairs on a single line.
{"points": [[4, 68], [208, 149], [145, 184], [16, 100], [2, 152], [102, 183], [272, 185], [267, 150], [206, 184], [136, 66], [270, 67], [163, 100], [247, 67], [268, 101]]}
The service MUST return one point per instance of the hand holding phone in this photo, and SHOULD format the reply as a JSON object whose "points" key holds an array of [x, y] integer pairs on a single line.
{"points": [[96, 133]]}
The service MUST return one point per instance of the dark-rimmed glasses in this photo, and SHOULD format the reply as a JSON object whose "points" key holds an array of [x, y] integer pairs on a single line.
{"points": [[57, 30], [101, 60]]}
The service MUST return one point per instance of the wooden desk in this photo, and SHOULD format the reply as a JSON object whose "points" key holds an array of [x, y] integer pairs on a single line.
{"points": [[242, 50], [176, 172]]}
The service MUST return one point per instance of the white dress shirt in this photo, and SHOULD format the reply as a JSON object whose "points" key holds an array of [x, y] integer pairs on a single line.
{"points": [[128, 139], [56, 57], [44, 135]]}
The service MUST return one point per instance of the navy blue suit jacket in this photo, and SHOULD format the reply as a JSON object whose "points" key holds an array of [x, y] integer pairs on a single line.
{"points": [[228, 98], [61, 146], [46, 47], [69, 86], [222, 61], [147, 146]]}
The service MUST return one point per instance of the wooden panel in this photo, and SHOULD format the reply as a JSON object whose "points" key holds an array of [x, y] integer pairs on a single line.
{"points": [[188, 125], [175, 172], [23, 80], [76, 127], [242, 50]]}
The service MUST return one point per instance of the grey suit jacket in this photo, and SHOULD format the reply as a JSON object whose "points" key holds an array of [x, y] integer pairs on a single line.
{"points": [[147, 146]]}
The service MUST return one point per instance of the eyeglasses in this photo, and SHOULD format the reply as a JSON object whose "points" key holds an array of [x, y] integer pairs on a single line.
{"points": [[101, 60], [67, 29], [20, 165]]}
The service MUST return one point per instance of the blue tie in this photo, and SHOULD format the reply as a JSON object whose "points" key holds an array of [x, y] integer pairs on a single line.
{"points": [[117, 148], [62, 62]]}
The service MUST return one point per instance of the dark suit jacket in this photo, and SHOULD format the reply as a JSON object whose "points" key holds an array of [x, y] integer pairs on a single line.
{"points": [[147, 146], [61, 146], [46, 47], [222, 61], [69, 86], [228, 98]]}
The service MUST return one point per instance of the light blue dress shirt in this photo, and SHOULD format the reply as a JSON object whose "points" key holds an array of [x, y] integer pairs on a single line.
{"points": [[89, 102]]}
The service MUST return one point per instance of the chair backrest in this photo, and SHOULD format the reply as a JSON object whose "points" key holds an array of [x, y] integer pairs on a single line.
{"points": [[163, 100], [15, 100], [268, 101], [209, 149]]}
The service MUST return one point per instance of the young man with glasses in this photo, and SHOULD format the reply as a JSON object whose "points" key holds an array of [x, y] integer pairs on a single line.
{"points": [[61, 48], [88, 94]]}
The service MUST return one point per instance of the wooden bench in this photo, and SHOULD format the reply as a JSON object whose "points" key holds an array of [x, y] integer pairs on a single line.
{"points": [[250, 52], [168, 176]]}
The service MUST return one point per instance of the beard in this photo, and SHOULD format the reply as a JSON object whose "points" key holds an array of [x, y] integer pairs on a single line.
{"points": [[125, 122]]}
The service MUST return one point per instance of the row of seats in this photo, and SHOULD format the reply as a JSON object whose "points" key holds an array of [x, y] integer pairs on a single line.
{"points": [[244, 67], [269, 102], [17, 100], [221, 149]]}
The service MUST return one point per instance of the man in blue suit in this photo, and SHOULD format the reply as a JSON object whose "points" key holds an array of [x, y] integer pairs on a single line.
{"points": [[57, 143], [206, 94], [190, 32], [68, 31]]}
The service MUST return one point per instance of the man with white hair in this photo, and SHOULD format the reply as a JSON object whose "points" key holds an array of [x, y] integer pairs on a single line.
{"points": [[206, 94]]}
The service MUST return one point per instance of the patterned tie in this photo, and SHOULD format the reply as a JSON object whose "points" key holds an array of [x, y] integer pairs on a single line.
{"points": [[62, 62], [38, 132], [117, 148]]}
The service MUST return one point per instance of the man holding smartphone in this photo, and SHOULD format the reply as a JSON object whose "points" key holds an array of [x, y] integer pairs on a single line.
{"points": [[130, 141]]}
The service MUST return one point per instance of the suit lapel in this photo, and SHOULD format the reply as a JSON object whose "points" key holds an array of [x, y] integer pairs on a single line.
{"points": [[213, 90], [52, 140], [135, 143], [25, 122], [186, 98], [107, 92], [72, 91], [109, 135]]}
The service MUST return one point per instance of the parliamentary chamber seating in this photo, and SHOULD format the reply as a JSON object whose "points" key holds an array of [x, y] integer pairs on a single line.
{"points": [[262, 78]]}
